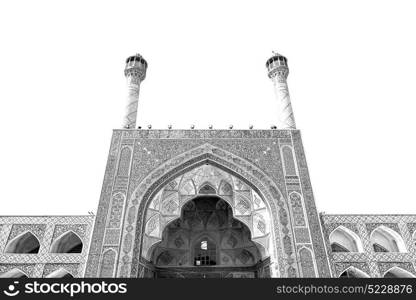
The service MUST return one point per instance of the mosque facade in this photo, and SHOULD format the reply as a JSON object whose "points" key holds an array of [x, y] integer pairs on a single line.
{"points": [[213, 203]]}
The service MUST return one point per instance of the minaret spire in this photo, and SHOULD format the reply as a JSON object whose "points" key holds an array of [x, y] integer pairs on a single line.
{"points": [[278, 71], [135, 72]]}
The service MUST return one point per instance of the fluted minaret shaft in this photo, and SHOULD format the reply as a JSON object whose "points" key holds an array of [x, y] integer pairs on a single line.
{"points": [[278, 72], [135, 73]]}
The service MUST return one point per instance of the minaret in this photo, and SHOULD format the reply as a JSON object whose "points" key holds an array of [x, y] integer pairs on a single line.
{"points": [[278, 71], [135, 73]]}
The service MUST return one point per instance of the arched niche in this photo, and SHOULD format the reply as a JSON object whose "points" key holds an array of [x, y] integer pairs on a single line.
{"points": [[246, 204], [397, 272], [60, 273], [206, 234], [353, 272], [289, 161], [207, 189], [14, 273], [343, 239], [25, 243], [205, 252], [384, 239], [107, 267], [250, 177], [68, 242]]}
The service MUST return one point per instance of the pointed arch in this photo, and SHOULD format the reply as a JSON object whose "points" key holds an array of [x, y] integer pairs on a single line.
{"points": [[24, 243], [207, 189], [204, 251], [68, 242], [124, 163], [14, 273], [397, 272], [385, 239], [343, 239], [353, 272], [306, 262], [187, 187], [60, 273], [235, 166]]}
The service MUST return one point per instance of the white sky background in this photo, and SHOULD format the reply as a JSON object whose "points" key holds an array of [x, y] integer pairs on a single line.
{"points": [[352, 83]]}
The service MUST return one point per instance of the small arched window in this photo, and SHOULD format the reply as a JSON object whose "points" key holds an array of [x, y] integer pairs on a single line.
{"points": [[205, 253], [67, 243], [26, 243]]}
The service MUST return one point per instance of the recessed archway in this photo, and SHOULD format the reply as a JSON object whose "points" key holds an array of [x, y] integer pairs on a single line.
{"points": [[384, 239], [206, 240], [69, 242]]}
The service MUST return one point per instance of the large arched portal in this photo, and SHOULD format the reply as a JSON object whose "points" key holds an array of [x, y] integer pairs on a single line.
{"points": [[208, 223], [206, 241]]}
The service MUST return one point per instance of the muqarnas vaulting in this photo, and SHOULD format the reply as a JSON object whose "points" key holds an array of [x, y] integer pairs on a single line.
{"points": [[208, 203]]}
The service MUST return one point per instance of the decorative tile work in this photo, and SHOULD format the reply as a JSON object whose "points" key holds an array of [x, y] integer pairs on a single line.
{"points": [[295, 200], [307, 263], [143, 162], [351, 226], [252, 154], [412, 228], [377, 263], [220, 152], [28, 269], [371, 226], [108, 261], [124, 162], [302, 235], [112, 236], [48, 228], [319, 247], [289, 162]]}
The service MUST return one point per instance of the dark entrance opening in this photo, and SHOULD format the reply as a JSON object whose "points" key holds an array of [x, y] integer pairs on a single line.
{"points": [[206, 242]]}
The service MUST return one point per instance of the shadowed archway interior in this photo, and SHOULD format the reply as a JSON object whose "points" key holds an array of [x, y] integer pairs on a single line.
{"points": [[206, 241]]}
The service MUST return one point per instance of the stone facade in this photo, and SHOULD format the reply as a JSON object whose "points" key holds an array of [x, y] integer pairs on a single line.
{"points": [[261, 174], [47, 230]]}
